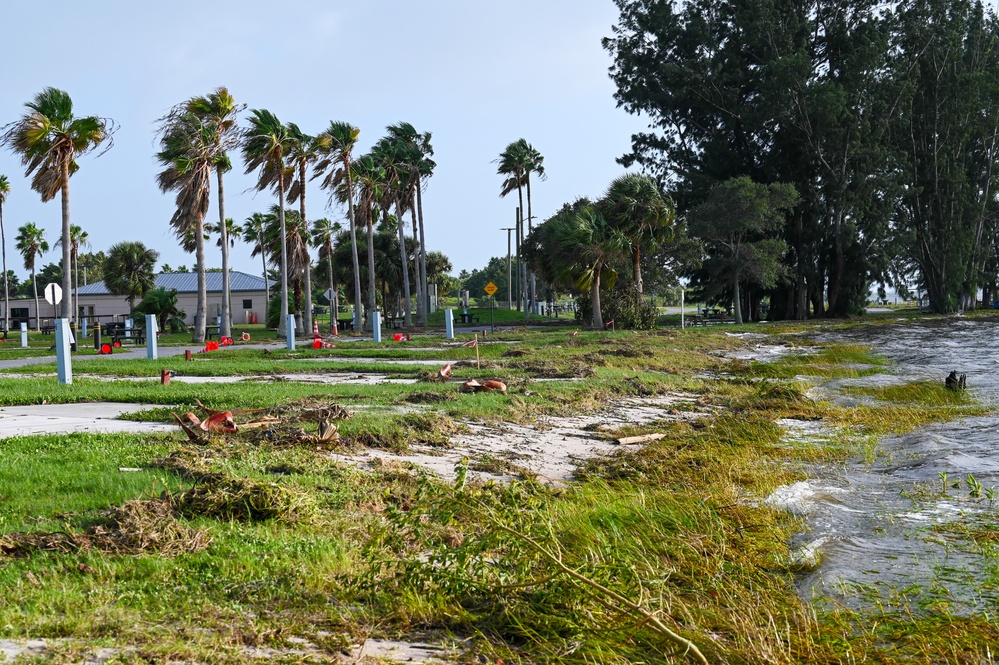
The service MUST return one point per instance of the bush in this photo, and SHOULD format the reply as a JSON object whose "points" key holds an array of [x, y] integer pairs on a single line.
{"points": [[625, 307]]}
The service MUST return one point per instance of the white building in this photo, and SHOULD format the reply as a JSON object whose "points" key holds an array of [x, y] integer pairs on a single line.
{"points": [[97, 303]]}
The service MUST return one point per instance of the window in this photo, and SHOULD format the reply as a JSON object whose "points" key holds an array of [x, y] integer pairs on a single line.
{"points": [[247, 304]]}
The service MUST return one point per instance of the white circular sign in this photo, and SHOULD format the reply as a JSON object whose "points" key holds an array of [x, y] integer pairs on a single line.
{"points": [[53, 293]]}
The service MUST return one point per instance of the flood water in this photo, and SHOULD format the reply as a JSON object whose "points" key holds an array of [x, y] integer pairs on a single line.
{"points": [[875, 542]]}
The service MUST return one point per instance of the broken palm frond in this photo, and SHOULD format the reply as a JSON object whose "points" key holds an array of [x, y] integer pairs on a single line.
{"points": [[140, 526], [490, 385], [445, 372]]}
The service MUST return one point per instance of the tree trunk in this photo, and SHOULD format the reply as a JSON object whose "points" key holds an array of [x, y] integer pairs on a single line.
{"points": [[67, 282], [267, 282], [421, 314], [6, 290], [201, 311], [76, 285], [282, 330], [307, 286], [736, 302], [636, 268], [530, 227], [371, 269], [38, 313], [225, 330], [597, 320], [423, 254], [406, 318], [420, 297], [353, 248], [335, 299]]}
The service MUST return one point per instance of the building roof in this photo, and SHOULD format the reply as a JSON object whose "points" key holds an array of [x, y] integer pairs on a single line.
{"points": [[187, 282]]}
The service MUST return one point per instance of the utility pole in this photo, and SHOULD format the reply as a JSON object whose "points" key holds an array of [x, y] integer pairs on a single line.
{"points": [[509, 269], [522, 276]]}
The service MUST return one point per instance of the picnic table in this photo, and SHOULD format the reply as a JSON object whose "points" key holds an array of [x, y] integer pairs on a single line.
{"points": [[345, 324], [393, 321], [469, 318]]}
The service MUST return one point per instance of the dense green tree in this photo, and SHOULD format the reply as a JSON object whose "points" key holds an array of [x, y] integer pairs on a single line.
{"points": [[128, 270], [49, 138], [163, 304], [395, 157], [947, 69], [736, 224], [31, 243], [637, 207], [577, 249], [92, 264], [253, 234]]}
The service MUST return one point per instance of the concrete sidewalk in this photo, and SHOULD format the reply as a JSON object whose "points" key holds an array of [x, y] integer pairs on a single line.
{"points": [[93, 417]]}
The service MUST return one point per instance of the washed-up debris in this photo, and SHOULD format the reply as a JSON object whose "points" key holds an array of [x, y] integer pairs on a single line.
{"points": [[445, 372], [474, 386], [955, 382], [273, 425], [641, 438], [143, 525]]}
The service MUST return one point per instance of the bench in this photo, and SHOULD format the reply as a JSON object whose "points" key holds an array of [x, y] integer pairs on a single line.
{"points": [[345, 324], [47, 330], [469, 318], [393, 321]]}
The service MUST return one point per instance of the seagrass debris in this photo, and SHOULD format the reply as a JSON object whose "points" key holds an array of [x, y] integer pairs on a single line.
{"points": [[142, 525], [223, 421]]}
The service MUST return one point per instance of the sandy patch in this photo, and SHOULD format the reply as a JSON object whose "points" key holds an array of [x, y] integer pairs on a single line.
{"points": [[552, 449], [71, 418]]}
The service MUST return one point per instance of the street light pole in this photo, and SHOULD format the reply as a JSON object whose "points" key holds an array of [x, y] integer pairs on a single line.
{"points": [[509, 269]]}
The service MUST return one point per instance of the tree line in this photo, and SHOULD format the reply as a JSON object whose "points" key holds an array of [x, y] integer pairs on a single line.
{"points": [[882, 119], [196, 140]]}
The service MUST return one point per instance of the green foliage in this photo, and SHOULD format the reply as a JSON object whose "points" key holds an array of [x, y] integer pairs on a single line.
{"points": [[163, 304], [129, 270]]}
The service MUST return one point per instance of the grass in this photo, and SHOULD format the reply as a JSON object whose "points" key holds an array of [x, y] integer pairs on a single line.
{"points": [[286, 543]]}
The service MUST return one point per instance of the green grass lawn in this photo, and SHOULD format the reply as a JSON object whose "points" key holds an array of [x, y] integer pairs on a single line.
{"points": [[264, 538]]}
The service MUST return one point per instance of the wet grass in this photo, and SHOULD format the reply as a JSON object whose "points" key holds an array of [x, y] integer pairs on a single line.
{"points": [[299, 546]]}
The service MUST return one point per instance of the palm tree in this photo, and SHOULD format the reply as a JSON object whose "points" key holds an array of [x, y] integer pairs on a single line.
{"points": [[128, 270], [188, 155], [49, 138], [264, 147], [324, 232], [31, 244], [296, 243], [77, 238], [517, 162], [636, 207], [4, 192], [304, 152], [421, 169], [393, 158], [369, 178], [254, 234], [335, 146], [218, 111], [577, 248]]}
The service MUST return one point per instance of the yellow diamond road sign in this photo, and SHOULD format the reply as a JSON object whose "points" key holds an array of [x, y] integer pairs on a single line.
{"points": [[490, 289]]}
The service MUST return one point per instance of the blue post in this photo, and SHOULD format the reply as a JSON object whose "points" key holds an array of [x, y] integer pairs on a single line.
{"points": [[290, 331], [64, 368], [376, 326], [83, 327], [128, 328], [24, 335], [151, 330], [449, 323]]}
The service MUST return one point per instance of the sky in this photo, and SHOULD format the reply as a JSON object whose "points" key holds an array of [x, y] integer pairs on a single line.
{"points": [[477, 75]]}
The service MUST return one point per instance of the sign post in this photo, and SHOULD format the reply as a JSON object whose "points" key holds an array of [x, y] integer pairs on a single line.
{"points": [[491, 290], [53, 296]]}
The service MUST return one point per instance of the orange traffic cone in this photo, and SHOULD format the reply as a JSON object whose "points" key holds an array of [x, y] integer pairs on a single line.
{"points": [[315, 328]]}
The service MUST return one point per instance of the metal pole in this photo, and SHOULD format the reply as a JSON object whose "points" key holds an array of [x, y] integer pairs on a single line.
{"points": [[509, 270], [523, 268]]}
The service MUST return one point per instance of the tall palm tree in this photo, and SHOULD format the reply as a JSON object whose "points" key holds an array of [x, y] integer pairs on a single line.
{"points": [[303, 154], [217, 111], [254, 234], [31, 244], [187, 153], [297, 246], [128, 270], [77, 238], [265, 145], [369, 178], [421, 169], [324, 232], [636, 207], [517, 162], [335, 146], [49, 138], [393, 158], [4, 192]]}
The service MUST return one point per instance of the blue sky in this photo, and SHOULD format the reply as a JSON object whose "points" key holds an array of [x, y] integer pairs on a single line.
{"points": [[478, 75]]}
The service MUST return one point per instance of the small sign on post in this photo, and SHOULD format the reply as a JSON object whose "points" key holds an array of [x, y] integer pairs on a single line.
{"points": [[491, 290]]}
